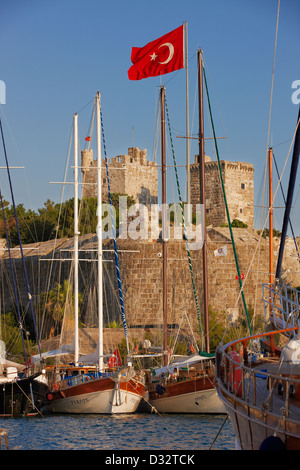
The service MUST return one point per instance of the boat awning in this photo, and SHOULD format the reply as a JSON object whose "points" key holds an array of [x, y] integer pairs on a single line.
{"points": [[182, 362], [92, 358], [67, 349], [4, 364]]}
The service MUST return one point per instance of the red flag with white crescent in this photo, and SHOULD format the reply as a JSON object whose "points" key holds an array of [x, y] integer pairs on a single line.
{"points": [[115, 359], [161, 56]]}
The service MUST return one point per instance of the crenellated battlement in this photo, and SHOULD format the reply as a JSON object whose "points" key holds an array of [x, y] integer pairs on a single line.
{"points": [[131, 174], [239, 188]]}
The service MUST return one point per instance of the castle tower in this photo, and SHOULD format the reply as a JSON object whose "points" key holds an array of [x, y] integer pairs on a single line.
{"points": [[130, 174], [239, 188]]}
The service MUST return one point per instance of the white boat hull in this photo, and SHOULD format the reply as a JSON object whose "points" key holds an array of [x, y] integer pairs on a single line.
{"points": [[109, 395], [206, 401], [104, 402]]}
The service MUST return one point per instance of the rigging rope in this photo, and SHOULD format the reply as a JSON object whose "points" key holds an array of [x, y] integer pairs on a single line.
{"points": [[270, 106], [20, 241], [284, 200], [14, 280], [114, 239], [226, 206], [184, 226]]}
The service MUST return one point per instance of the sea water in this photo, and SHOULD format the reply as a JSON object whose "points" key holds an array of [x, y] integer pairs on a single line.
{"points": [[119, 432]]}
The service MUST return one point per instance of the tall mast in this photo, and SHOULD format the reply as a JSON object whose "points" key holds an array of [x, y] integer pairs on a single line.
{"points": [[202, 198], [164, 221], [99, 233], [271, 263], [271, 274], [76, 235], [289, 200]]}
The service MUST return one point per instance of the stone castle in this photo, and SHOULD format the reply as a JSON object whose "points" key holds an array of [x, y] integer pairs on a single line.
{"points": [[131, 174], [239, 189], [141, 261], [136, 176]]}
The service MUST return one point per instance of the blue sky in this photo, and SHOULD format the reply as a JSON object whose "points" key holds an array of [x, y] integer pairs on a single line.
{"points": [[55, 55]]}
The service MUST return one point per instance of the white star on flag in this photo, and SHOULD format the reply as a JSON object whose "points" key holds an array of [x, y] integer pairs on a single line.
{"points": [[153, 56]]}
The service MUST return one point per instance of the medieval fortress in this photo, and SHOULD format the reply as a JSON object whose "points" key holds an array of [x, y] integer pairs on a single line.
{"points": [[136, 176], [140, 259], [239, 188], [131, 174]]}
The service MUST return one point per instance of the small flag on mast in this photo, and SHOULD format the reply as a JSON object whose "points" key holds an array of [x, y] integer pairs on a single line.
{"points": [[115, 359], [242, 276], [221, 251]]}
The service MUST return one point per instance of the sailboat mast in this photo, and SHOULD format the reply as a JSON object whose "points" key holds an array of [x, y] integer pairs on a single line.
{"points": [[202, 198], [76, 234], [270, 160], [99, 233], [164, 221], [289, 200], [271, 274]]}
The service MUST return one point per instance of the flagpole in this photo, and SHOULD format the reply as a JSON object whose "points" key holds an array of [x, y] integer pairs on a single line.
{"points": [[164, 224], [188, 190]]}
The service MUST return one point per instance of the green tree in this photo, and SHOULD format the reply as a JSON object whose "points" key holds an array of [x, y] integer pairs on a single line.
{"points": [[54, 303], [266, 233], [11, 336], [53, 219]]}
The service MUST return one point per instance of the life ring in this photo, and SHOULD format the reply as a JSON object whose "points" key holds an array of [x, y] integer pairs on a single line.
{"points": [[235, 373]]}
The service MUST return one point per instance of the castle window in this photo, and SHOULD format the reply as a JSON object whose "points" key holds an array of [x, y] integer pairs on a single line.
{"points": [[242, 185], [131, 159], [241, 210], [104, 180]]}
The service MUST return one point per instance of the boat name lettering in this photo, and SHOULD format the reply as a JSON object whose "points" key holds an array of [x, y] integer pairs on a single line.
{"points": [[80, 401]]}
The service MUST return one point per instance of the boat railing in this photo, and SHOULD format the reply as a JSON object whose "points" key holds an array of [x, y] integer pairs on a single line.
{"points": [[281, 304], [71, 381], [236, 373]]}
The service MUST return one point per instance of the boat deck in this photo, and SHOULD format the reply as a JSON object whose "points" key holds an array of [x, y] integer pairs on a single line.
{"points": [[262, 399], [274, 387]]}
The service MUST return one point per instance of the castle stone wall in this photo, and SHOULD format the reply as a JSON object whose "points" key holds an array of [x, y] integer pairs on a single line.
{"points": [[239, 189], [141, 275], [130, 174]]}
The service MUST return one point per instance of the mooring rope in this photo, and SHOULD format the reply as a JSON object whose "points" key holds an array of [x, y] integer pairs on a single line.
{"points": [[29, 399]]}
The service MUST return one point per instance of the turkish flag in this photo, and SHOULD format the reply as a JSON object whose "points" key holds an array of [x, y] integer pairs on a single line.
{"points": [[115, 359], [242, 276], [164, 55]]}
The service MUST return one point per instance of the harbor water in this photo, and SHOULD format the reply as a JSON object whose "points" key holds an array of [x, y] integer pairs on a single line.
{"points": [[134, 432]]}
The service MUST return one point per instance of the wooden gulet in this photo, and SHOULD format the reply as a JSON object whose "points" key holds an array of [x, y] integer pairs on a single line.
{"points": [[93, 388], [261, 387], [186, 386]]}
